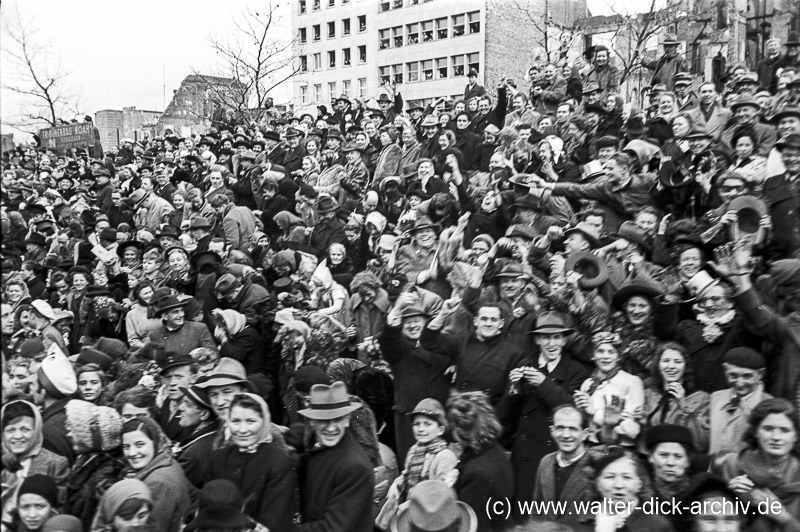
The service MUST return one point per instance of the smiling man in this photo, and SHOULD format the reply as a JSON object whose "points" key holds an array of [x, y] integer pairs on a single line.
{"points": [[178, 371], [336, 478]]}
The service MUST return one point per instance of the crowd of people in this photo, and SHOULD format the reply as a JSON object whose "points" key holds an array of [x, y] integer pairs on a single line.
{"points": [[380, 317]]}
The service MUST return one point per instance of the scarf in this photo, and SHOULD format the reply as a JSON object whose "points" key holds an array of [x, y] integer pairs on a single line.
{"points": [[670, 490], [597, 379], [782, 479], [417, 456], [712, 327]]}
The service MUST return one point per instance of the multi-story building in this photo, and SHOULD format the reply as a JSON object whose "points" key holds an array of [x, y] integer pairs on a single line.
{"points": [[427, 47], [198, 102], [115, 125]]}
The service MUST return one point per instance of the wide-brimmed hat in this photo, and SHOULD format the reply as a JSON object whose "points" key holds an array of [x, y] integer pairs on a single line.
{"points": [[593, 269], [326, 204], [228, 371], [744, 100], [37, 239], [589, 231], [329, 402], [429, 121], [784, 111], [168, 303], [789, 141], [200, 222], [634, 289], [423, 222], [432, 506], [632, 233], [591, 87], [749, 210], [550, 323], [510, 269], [351, 146], [225, 285]]}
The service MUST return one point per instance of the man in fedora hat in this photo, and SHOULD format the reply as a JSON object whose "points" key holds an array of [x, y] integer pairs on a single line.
{"points": [[225, 382], [670, 63], [246, 297], [709, 111], [545, 381], [200, 230], [199, 419], [790, 59], [746, 112], [336, 476], [150, 211], [782, 195], [472, 89], [328, 229], [238, 222], [432, 505], [175, 333], [293, 159]]}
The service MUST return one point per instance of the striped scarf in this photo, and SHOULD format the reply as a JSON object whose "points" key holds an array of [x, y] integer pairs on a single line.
{"points": [[416, 460]]}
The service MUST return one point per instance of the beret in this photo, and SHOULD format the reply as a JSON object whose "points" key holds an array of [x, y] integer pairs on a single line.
{"points": [[668, 433], [745, 357]]}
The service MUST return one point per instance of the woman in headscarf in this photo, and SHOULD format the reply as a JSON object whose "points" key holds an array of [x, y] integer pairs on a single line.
{"points": [[259, 465], [339, 264], [126, 504], [239, 341], [292, 229], [148, 453], [555, 164], [179, 275], [95, 435], [329, 298], [23, 455]]}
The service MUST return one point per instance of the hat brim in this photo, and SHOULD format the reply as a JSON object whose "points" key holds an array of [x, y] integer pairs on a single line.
{"points": [[191, 394], [592, 240], [468, 521], [627, 292], [220, 380], [575, 260], [550, 329], [179, 304], [324, 415]]}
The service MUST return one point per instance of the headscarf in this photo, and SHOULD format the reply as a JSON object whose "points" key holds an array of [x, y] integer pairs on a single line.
{"points": [[377, 219], [557, 145], [151, 429], [12, 461], [234, 321], [286, 220], [117, 495], [323, 275], [265, 435]]}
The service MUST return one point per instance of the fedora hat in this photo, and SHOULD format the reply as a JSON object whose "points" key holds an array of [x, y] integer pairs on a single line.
{"points": [[527, 201], [292, 132], [550, 323], [37, 239], [593, 270], [698, 131], [789, 141], [632, 233], [200, 222], [784, 111], [228, 371], [226, 285], [634, 289], [635, 126], [414, 311], [167, 230], [199, 396], [521, 181], [750, 210], [511, 269], [122, 246], [588, 231], [432, 506], [384, 98], [326, 204], [423, 222], [594, 108], [591, 87], [744, 100], [429, 121], [793, 39], [351, 146], [521, 231], [90, 355], [329, 402], [168, 303]]}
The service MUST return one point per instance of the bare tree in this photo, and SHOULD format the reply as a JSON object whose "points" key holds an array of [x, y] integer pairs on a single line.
{"points": [[35, 75], [560, 28], [255, 61]]}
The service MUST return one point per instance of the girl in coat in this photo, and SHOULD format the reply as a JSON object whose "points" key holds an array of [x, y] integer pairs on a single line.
{"points": [[260, 466], [23, 455], [148, 453], [126, 504]]}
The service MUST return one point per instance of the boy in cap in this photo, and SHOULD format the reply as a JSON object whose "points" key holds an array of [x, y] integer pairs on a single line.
{"points": [[730, 408]]}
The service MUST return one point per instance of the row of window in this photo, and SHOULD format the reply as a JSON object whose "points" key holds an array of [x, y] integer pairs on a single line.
{"points": [[346, 59], [430, 69], [333, 91], [429, 30], [316, 29], [388, 5], [316, 5]]}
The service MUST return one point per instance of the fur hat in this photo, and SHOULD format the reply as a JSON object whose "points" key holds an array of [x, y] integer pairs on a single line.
{"points": [[93, 428]]}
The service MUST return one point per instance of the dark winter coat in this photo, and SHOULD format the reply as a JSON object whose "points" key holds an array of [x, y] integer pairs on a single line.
{"points": [[485, 476]]}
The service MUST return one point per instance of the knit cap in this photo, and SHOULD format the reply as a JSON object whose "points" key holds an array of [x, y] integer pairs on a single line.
{"points": [[63, 523], [41, 485]]}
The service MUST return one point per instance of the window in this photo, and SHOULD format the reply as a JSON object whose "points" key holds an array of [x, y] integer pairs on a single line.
{"points": [[383, 39], [458, 65], [413, 71], [346, 57], [317, 32], [331, 91], [473, 62], [316, 5], [302, 7], [427, 31], [383, 72], [362, 87], [331, 3], [441, 68], [317, 61], [362, 23], [362, 53], [346, 87], [397, 4], [458, 25], [303, 63], [413, 2], [303, 35], [332, 59], [346, 26], [474, 20], [441, 28], [385, 6], [318, 92], [397, 73], [413, 33], [331, 30], [304, 94], [397, 35], [427, 69]]}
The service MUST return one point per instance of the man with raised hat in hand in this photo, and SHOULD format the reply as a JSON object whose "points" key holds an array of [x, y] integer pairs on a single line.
{"points": [[542, 384], [336, 477]]}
